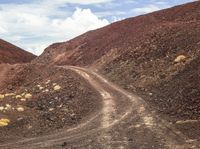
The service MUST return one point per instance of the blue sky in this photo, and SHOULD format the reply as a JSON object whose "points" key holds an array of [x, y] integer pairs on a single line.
{"points": [[35, 24]]}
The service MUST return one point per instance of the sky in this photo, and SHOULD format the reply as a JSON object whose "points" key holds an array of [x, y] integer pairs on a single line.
{"points": [[35, 24]]}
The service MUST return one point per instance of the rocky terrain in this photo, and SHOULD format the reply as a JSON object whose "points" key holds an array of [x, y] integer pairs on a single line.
{"points": [[154, 55], [12, 59], [47, 103], [36, 99]]}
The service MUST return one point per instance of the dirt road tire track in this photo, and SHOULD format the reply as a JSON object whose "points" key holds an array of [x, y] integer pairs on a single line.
{"points": [[105, 129]]}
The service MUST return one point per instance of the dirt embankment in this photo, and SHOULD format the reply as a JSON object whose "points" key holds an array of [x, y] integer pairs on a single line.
{"points": [[43, 102]]}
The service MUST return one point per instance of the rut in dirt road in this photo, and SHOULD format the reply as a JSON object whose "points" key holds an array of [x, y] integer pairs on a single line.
{"points": [[108, 110], [163, 129], [122, 116]]}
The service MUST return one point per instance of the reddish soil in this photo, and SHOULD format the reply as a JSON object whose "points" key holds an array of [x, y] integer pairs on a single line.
{"points": [[48, 110], [12, 61], [138, 54], [12, 54], [59, 98]]}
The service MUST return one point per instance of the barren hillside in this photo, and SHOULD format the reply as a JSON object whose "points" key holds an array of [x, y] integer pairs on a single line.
{"points": [[140, 54], [12, 59], [12, 54]]}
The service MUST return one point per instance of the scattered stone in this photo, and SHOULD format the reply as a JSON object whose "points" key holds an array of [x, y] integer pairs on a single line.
{"points": [[29, 127], [23, 94], [28, 96], [51, 109], [187, 121], [23, 99], [41, 88], [48, 81], [180, 58], [150, 94], [60, 106], [18, 96], [9, 94], [20, 109], [19, 119], [4, 122], [2, 108], [2, 96], [72, 114], [8, 107], [137, 126], [57, 87]]}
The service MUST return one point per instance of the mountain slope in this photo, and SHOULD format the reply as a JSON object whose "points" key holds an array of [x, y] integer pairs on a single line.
{"points": [[140, 54], [12, 54], [123, 36], [12, 60]]}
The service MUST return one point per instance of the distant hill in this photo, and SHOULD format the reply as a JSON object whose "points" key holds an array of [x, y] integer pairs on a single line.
{"points": [[11, 54]]}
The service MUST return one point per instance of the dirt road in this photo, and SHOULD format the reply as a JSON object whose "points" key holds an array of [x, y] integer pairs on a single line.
{"points": [[123, 122]]}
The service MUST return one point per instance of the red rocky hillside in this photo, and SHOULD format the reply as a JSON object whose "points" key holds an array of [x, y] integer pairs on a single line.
{"points": [[154, 55], [12, 54]]}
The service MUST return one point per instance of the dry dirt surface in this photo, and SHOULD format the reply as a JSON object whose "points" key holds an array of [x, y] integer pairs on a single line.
{"points": [[122, 121], [156, 56], [7, 73], [44, 102]]}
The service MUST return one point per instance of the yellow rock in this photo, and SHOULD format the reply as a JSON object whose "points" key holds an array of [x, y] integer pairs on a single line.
{"points": [[23, 94], [8, 107], [28, 96], [18, 96], [4, 122], [54, 84], [180, 58], [57, 87], [48, 81], [51, 109], [46, 90], [1, 108], [9, 94], [20, 109], [41, 88], [23, 99], [2, 96]]}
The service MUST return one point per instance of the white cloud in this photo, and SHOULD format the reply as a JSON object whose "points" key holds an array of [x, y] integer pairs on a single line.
{"points": [[147, 9], [83, 2], [2, 30], [36, 25], [109, 13]]}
